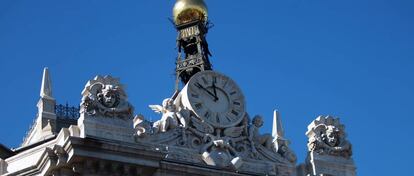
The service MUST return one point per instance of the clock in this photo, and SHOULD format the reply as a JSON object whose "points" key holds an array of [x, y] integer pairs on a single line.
{"points": [[214, 98]]}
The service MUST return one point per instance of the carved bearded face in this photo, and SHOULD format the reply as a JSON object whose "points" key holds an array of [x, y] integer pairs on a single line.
{"points": [[331, 137]]}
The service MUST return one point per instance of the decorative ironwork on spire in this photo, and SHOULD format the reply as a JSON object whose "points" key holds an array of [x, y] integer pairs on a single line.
{"points": [[190, 18]]}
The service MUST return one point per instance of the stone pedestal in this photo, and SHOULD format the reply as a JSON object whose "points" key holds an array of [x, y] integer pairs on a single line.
{"points": [[106, 128], [330, 165]]}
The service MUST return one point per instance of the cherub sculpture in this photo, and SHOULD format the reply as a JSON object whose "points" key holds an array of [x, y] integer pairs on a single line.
{"points": [[171, 116], [255, 137], [327, 136], [105, 97]]}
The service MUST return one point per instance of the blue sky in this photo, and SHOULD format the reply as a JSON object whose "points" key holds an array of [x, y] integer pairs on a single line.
{"points": [[352, 59]]}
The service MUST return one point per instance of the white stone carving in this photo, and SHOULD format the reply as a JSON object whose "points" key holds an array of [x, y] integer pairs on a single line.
{"points": [[105, 97], [229, 147], [141, 126], [327, 136], [172, 116], [285, 151], [105, 111], [329, 151], [46, 88], [44, 126], [280, 144], [256, 138]]}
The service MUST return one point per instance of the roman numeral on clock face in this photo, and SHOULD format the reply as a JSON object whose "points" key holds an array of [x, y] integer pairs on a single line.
{"points": [[234, 112], [198, 106], [225, 84], [217, 118], [204, 80], [207, 114], [195, 95], [230, 117], [237, 103]]}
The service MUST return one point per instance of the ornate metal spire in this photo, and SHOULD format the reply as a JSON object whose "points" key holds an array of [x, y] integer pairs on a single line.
{"points": [[190, 18], [46, 89]]}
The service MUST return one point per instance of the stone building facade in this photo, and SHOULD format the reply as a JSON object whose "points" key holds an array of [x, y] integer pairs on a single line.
{"points": [[204, 128]]}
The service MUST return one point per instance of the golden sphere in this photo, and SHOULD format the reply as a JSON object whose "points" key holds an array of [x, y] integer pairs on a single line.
{"points": [[189, 10]]}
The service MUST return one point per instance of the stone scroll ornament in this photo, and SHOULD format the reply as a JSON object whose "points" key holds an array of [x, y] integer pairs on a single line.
{"points": [[105, 97], [327, 137]]}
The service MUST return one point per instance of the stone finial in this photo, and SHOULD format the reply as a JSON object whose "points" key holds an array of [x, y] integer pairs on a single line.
{"points": [[277, 132], [46, 89], [280, 144], [45, 124]]}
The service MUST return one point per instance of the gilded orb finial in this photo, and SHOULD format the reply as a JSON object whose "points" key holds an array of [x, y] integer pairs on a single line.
{"points": [[189, 10]]}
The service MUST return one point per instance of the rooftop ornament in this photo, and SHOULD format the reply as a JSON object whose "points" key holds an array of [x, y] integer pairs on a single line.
{"points": [[186, 11]]}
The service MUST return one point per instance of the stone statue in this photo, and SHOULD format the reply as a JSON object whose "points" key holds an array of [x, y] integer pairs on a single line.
{"points": [[105, 97], [256, 138], [219, 151], [171, 116], [234, 147], [327, 136], [284, 150]]}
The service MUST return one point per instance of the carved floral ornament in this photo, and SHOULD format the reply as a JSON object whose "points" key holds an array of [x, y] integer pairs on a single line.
{"points": [[327, 137], [105, 97]]}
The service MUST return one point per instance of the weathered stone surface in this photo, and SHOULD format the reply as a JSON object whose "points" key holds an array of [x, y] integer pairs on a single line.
{"points": [[327, 137], [3, 166], [330, 165], [45, 124], [108, 141], [204, 128], [105, 110], [329, 151], [105, 97], [238, 148]]}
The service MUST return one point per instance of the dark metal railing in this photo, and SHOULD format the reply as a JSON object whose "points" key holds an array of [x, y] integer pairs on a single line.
{"points": [[67, 112]]}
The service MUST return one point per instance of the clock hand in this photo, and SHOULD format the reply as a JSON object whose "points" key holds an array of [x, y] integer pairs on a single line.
{"points": [[215, 91], [201, 87]]}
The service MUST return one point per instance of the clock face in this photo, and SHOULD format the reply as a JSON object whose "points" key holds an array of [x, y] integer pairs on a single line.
{"points": [[215, 98]]}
